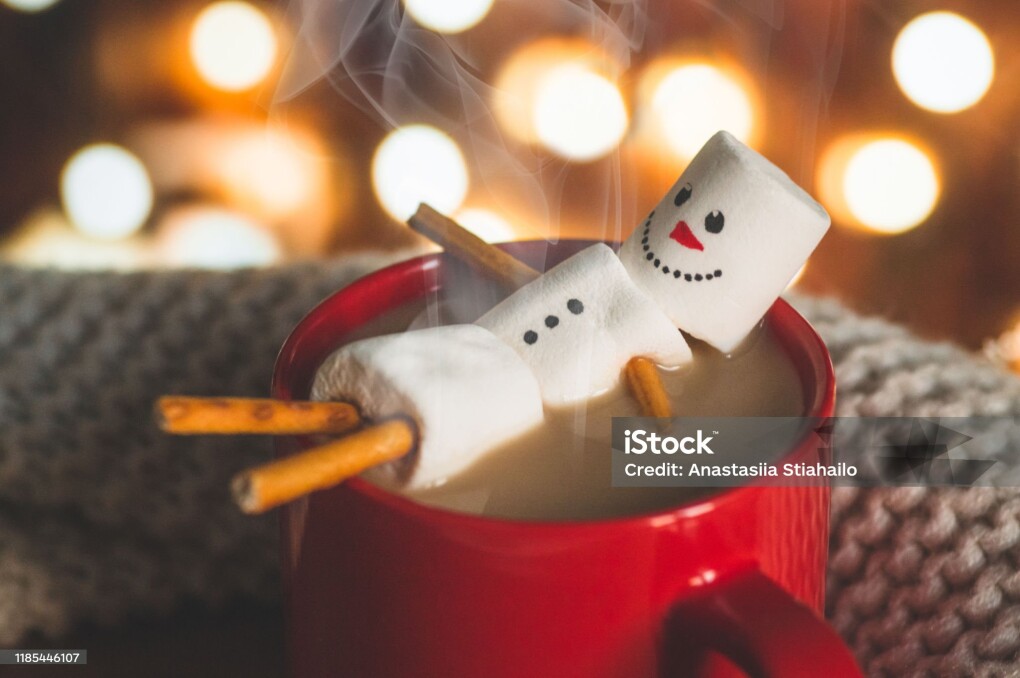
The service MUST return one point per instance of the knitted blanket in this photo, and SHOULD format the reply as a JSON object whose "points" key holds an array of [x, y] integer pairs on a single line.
{"points": [[102, 516]]}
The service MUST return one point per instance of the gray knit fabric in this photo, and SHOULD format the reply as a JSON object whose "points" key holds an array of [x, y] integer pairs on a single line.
{"points": [[922, 581], [102, 516]]}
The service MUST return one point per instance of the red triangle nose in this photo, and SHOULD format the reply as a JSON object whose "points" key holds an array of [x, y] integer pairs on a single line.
{"points": [[685, 236]]}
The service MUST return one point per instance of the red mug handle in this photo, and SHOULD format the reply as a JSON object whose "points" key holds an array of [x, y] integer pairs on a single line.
{"points": [[758, 626]]}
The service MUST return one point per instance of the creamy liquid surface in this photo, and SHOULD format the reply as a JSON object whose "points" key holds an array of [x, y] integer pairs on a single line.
{"points": [[561, 469]]}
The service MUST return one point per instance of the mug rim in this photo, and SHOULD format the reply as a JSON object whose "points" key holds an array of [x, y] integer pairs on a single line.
{"points": [[796, 333]]}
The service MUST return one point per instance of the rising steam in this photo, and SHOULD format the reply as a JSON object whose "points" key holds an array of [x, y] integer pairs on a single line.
{"points": [[379, 59]]}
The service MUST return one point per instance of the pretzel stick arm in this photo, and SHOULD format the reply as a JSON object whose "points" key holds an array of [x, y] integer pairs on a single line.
{"points": [[646, 384], [259, 489], [194, 416]]}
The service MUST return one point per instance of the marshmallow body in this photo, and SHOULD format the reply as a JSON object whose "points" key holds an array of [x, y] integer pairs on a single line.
{"points": [[578, 325], [724, 242], [466, 390]]}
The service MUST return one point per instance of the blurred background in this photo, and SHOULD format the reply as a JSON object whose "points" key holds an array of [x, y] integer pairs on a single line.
{"points": [[218, 135], [227, 134]]}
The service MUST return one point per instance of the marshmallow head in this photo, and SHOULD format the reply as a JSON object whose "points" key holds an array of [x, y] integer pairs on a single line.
{"points": [[724, 242], [578, 324], [466, 390]]}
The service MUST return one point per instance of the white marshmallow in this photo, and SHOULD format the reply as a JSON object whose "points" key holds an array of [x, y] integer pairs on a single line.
{"points": [[724, 242], [466, 390], [579, 324]]}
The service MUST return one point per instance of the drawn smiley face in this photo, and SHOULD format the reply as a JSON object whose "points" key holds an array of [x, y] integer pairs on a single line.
{"points": [[683, 235], [723, 242]]}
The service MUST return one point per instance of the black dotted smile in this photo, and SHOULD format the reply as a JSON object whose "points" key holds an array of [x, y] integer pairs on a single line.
{"points": [[551, 321], [677, 274]]}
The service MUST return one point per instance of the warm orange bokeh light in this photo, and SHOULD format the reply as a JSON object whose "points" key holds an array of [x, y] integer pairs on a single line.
{"points": [[878, 182], [685, 100], [520, 81]]}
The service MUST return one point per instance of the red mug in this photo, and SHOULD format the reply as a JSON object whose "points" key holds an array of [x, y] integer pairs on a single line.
{"points": [[377, 585]]}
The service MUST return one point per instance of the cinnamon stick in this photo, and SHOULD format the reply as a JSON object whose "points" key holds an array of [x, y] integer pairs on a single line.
{"points": [[259, 489], [185, 415], [470, 249]]}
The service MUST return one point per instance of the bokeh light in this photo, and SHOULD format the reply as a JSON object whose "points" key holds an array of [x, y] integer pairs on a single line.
{"points": [[486, 224], [880, 183], [273, 173], [233, 45], [891, 185], [416, 164], [106, 191], [1007, 347], [524, 97], [692, 101], [578, 114], [943, 62], [46, 239], [448, 16], [29, 6], [216, 238]]}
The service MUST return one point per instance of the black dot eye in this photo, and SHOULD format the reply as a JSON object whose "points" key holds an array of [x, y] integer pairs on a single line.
{"points": [[575, 306], [714, 221], [683, 195], [530, 337]]}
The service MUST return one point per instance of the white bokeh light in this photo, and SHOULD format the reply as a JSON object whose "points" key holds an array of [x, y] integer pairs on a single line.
{"points": [[211, 237], [694, 101], [522, 75], [890, 185], [943, 62], [417, 164], [578, 114], [448, 16], [106, 191], [233, 45], [486, 224], [29, 6]]}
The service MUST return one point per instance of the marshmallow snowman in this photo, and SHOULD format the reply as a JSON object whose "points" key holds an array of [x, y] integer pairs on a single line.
{"points": [[710, 259], [724, 242], [464, 388], [578, 324]]}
